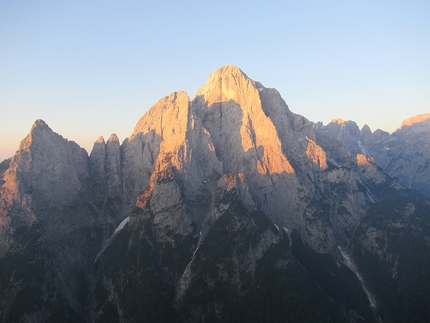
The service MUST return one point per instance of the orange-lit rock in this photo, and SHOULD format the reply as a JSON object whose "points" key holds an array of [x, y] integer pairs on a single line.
{"points": [[232, 96], [416, 119], [362, 160], [316, 154]]}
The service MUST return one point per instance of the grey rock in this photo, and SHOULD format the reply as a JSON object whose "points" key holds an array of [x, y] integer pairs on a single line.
{"points": [[223, 200], [403, 154], [50, 227]]}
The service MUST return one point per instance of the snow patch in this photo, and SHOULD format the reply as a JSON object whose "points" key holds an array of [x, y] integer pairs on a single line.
{"points": [[363, 150], [369, 193], [122, 224], [350, 264], [108, 241], [287, 231], [276, 226], [331, 160]]}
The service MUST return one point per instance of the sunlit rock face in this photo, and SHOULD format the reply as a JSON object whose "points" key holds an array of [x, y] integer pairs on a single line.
{"points": [[245, 139], [227, 207], [212, 164], [235, 126], [231, 109], [415, 120], [403, 154]]}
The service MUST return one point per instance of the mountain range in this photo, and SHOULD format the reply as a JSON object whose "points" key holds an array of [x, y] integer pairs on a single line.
{"points": [[404, 154], [226, 207]]}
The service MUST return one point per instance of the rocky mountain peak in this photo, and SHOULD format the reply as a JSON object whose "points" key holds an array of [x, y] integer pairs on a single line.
{"points": [[113, 137], [365, 131], [50, 164], [402, 154], [39, 123], [338, 121], [39, 130], [230, 83], [232, 110], [227, 71], [213, 207], [162, 116], [100, 140], [416, 119]]}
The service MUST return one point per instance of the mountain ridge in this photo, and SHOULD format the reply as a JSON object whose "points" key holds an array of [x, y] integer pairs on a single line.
{"points": [[201, 212], [415, 119], [402, 154]]}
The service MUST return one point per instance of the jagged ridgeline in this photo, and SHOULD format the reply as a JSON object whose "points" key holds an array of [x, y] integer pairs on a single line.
{"points": [[404, 154], [224, 208]]}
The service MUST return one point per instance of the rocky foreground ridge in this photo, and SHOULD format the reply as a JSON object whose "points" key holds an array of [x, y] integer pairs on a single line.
{"points": [[226, 207]]}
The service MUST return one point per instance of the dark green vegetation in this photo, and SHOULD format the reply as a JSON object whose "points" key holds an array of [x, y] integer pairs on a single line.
{"points": [[136, 277], [45, 280], [391, 246], [203, 185], [27, 268], [242, 270]]}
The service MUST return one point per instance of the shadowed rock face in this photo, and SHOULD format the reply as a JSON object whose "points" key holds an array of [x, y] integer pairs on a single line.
{"points": [[232, 208], [50, 228], [47, 172], [106, 181]]}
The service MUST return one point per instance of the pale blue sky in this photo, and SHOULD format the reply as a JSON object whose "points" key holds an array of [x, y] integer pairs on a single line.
{"points": [[91, 68]]}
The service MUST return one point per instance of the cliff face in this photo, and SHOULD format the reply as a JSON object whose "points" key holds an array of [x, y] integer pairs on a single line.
{"points": [[235, 127], [50, 229], [106, 188], [239, 188], [226, 207], [48, 172]]}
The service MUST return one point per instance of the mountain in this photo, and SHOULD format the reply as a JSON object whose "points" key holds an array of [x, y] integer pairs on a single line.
{"points": [[50, 230], [222, 208], [404, 154]]}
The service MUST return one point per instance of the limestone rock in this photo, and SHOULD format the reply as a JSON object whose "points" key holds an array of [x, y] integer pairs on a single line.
{"points": [[113, 168], [167, 119], [47, 172], [230, 107], [226, 207], [50, 166], [345, 131], [403, 154], [50, 230], [236, 127], [245, 138], [98, 170], [415, 119], [106, 180]]}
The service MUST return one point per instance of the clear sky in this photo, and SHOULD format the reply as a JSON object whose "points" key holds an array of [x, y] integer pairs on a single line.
{"points": [[91, 68]]}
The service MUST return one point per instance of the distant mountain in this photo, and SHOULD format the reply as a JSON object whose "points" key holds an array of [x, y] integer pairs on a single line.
{"points": [[404, 154], [416, 119], [227, 207]]}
